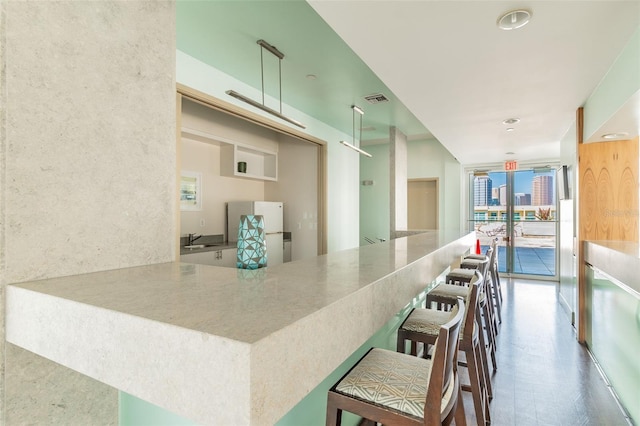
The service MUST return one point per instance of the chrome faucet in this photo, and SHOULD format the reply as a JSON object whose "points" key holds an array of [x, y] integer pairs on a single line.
{"points": [[191, 238]]}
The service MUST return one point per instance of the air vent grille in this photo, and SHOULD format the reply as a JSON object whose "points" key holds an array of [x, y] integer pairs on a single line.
{"points": [[376, 98]]}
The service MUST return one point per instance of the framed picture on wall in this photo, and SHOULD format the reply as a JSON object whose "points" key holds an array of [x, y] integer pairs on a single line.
{"points": [[190, 190]]}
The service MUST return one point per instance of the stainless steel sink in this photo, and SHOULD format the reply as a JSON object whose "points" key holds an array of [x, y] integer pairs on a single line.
{"points": [[195, 246], [199, 246]]}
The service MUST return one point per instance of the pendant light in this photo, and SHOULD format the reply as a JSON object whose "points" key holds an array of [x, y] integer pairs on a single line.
{"points": [[356, 109], [273, 50]]}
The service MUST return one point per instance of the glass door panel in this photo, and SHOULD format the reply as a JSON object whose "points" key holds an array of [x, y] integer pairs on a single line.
{"points": [[534, 222], [521, 213], [489, 200]]}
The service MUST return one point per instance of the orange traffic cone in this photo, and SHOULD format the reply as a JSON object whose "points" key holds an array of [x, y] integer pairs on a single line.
{"points": [[478, 247]]}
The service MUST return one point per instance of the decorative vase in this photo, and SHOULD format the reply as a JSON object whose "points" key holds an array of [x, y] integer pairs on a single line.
{"points": [[252, 247]]}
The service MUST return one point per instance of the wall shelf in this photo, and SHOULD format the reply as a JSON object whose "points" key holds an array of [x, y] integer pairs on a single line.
{"points": [[261, 164]]}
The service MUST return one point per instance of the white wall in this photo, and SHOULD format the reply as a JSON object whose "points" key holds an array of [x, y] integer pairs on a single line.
{"points": [[88, 169], [297, 187], [429, 159], [342, 164], [398, 180], [567, 226], [204, 158], [297, 184], [216, 190]]}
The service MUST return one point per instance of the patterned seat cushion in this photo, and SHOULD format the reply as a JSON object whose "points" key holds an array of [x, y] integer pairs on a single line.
{"points": [[427, 321], [450, 291], [462, 272], [471, 263], [392, 380], [476, 256]]}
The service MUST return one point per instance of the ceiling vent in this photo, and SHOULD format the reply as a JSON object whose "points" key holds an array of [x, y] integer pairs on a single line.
{"points": [[376, 98]]}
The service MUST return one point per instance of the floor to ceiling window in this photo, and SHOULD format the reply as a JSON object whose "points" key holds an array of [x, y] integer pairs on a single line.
{"points": [[519, 209]]}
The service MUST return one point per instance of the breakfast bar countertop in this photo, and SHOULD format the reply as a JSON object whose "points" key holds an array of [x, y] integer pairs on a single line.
{"points": [[221, 345]]}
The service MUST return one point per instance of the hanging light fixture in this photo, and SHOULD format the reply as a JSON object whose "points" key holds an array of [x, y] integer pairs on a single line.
{"points": [[272, 49], [354, 109]]}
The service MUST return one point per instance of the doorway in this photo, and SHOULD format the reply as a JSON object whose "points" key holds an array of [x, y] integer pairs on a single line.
{"points": [[422, 204], [285, 135], [519, 209]]}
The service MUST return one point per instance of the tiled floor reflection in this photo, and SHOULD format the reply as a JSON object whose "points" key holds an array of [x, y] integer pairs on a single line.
{"points": [[545, 377], [528, 260]]}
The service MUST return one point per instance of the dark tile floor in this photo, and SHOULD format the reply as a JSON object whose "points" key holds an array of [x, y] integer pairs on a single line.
{"points": [[529, 260], [544, 377]]}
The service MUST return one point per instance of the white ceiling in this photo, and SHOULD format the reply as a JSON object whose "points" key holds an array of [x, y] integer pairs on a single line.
{"points": [[461, 76]]}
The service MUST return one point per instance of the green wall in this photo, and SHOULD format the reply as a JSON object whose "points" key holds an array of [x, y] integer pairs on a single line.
{"points": [[342, 163], [425, 159], [375, 219], [620, 83]]}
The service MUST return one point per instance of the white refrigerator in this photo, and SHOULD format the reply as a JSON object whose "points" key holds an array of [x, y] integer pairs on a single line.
{"points": [[271, 211]]}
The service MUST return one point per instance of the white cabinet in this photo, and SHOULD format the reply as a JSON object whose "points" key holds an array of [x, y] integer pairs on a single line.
{"points": [[204, 258], [261, 164], [229, 258], [226, 258]]}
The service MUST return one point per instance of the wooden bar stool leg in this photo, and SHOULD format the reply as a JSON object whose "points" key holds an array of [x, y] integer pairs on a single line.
{"points": [[484, 359], [480, 401], [496, 297], [491, 337], [491, 307]]}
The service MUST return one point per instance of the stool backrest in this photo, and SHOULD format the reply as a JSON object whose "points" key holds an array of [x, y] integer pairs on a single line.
{"points": [[443, 369], [493, 259], [473, 306], [486, 267]]}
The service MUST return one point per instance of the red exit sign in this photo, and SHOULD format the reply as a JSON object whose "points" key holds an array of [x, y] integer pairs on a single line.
{"points": [[510, 165]]}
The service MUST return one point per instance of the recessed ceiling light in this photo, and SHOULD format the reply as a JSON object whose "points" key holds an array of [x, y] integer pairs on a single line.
{"points": [[514, 19], [511, 121], [510, 129], [618, 135], [510, 153], [311, 77]]}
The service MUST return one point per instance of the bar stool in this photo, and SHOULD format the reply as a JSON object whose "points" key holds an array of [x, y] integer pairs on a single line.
{"points": [[445, 295], [394, 388], [473, 264], [463, 275], [494, 275], [422, 325]]}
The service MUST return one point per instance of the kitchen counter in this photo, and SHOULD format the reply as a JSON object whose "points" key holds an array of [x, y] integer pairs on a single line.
{"points": [[218, 245], [619, 259], [213, 247], [611, 316], [221, 345]]}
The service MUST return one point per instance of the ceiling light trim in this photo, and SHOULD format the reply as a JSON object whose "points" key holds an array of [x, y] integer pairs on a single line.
{"points": [[273, 50], [616, 135], [356, 109], [355, 148], [264, 108], [514, 19]]}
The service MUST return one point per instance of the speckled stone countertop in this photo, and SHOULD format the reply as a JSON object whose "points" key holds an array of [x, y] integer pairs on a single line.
{"points": [[220, 345]]}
